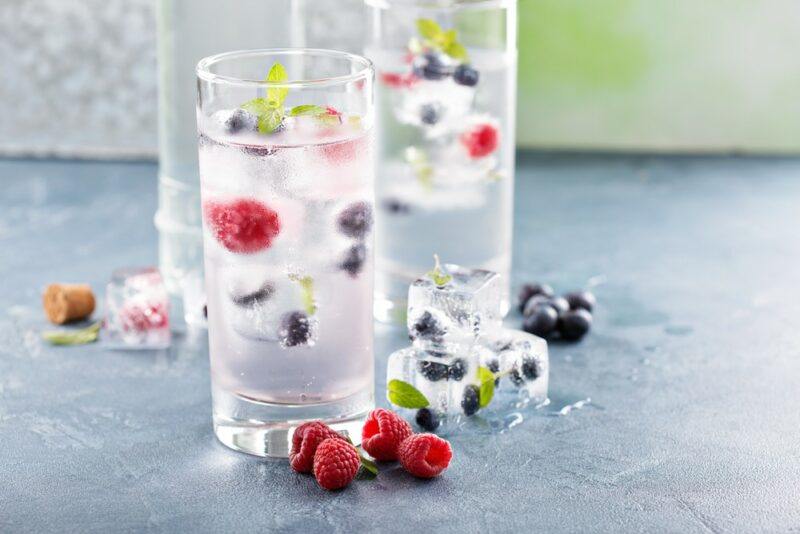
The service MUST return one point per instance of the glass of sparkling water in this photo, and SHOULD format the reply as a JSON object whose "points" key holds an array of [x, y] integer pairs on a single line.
{"points": [[286, 179], [446, 98]]}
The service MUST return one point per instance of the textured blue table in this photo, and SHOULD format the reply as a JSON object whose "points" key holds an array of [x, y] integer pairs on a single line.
{"points": [[693, 369]]}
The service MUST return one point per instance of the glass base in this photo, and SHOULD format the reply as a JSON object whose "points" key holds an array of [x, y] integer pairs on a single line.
{"points": [[265, 429]]}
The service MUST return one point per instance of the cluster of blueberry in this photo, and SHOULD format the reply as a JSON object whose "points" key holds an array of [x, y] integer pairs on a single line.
{"points": [[546, 315], [355, 222], [436, 66]]}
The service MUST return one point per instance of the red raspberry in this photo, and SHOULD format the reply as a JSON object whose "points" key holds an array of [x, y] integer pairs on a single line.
{"points": [[425, 455], [243, 226], [336, 463], [344, 151], [398, 81], [481, 140], [143, 317], [305, 440], [383, 432]]}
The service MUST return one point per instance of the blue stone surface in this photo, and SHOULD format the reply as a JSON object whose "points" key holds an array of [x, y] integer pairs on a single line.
{"points": [[692, 369]]}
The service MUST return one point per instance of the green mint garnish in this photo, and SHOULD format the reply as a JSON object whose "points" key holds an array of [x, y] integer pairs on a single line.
{"points": [[422, 167], [405, 395], [269, 110], [323, 115], [369, 469], [434, 37], [307, 288], [486, 389], [73, 337], [277, 95], [439, 277]]}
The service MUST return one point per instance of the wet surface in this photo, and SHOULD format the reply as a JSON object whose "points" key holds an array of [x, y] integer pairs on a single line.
{"points": [[677, 413]]}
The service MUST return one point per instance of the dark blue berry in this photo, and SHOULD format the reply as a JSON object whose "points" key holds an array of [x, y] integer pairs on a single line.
{"points": [[240, 120], [392, 205], [528, 371], [471, 401], [575, 324], [529, 290], [560, 304], [428, 327], [494, 366], [581, 300], [458, 369], [295, 329], [542, 321], [356, 220], [205, 311], [262, 294], [354, 259], [534, 303], [430, 114], [466, 75], [427, 419], [433, 371], [431, 67]]}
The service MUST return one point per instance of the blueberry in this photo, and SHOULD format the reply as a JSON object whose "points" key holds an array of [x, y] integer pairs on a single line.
{"points": [[494, 366], [466, 75], [240, 120], [534, 303], [258, 296], [427, 419], [356, 220], [575, 324], [458, 369], [529, 290], [542, 321], [205, 311], [581, 300], [471, 401], [354, 259], [295, 329], [431, 67], [427, 327], [529, 371], [433, 371], [392, 205], [560, 304], [430, 114]]}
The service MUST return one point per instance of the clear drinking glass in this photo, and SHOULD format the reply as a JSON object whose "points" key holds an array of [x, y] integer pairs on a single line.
{"points": [[446, 99], [286, 179]]}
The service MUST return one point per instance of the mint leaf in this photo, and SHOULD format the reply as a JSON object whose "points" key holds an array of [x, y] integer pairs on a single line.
{"points": [[277, 95], [429, 29], [439, 277], [257, 106], [405, 395], [307, 109], [73, 337], [449, 37], [307, 288], [486, 388], [368, 467], [269, 117], [456, 51]]}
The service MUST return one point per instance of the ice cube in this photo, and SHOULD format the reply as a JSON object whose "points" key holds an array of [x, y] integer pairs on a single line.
{"points": [[521, 366], [456, 312], [451, 102], [137, 310]]}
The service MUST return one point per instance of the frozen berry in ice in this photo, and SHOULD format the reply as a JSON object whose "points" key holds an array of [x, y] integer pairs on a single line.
{"points": [[481, 140], [397, 80], [542, 321], [141, 317], [355, 220], [262, 294], [237, 120], [433, 371], [457, 369], [354, 259], [527, 371], [242, 226], [581, 300], [430, 114], [427, 327], [575, 324], [494, 366], [295, 329], [471, 400], [431, 66], [466, 75], [395, 206], [529, 290], [427, 419]]}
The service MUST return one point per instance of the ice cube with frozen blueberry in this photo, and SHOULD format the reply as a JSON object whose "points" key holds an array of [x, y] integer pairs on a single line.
{"points": [[521, 368]]}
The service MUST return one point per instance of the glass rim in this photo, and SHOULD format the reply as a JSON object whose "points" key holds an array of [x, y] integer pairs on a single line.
{"points": [[365, 71], [441, 4]]}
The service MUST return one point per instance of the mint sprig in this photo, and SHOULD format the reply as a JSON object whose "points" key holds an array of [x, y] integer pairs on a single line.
{"points": [[486, 386], [436, 38], [73, 337], [307, 289], [368, 468], [405, 395], [439, 277], [269, 111]]}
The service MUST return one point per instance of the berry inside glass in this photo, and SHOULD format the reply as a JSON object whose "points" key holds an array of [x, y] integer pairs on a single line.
{"points": [[286, 172]]}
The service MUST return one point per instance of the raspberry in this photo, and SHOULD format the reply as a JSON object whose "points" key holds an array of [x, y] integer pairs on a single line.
{"points": [[336, 463], [398, 81], [141, 318], [345, 150], [243, 226], [305, 440], [425, 455], [481, 140], [383, 432]]}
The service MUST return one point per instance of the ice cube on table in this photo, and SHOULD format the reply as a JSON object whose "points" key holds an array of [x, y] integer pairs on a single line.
{"points": [[521, 365], [137, 310], [457, 312]]}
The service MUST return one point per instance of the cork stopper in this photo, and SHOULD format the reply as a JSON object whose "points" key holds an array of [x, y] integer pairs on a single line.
{"points": [[68, 302]]}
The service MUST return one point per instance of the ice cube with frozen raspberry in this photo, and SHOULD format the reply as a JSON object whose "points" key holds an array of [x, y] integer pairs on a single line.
{"points": [[137, 310]]}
